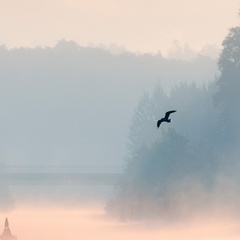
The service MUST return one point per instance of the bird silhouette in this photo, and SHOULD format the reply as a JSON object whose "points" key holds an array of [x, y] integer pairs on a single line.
{"points": [[166, 118]]}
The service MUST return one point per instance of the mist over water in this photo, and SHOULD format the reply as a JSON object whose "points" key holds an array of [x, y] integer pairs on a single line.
{"points": [[81, 156], [89, 222], [75, 211], [79, 212]]}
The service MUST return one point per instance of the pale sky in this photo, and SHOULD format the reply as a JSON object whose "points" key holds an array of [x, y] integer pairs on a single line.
{"points": [[136, 25]]}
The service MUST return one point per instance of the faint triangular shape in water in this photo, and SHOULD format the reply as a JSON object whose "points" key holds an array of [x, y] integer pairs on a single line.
{"points": [[7, 235]]}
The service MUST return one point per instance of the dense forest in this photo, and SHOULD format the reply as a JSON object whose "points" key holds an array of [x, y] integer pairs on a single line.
{"points": [[192, 164], [71, 106], [60, 103]]}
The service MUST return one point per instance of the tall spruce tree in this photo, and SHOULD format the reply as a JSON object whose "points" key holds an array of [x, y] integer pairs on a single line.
{"points": [[227, 97]]}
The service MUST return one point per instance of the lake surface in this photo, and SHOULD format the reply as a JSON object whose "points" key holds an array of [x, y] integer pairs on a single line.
{"points": [[89, 222]]}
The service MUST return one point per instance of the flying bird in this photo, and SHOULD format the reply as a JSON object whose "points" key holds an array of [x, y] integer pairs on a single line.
{"points": [[166, 118]]}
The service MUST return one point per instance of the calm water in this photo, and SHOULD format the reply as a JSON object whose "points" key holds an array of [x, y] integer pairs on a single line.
{"points": [[90, 223]]}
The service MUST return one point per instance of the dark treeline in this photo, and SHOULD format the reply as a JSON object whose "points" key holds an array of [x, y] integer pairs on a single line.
{"points": [[192, 164]]}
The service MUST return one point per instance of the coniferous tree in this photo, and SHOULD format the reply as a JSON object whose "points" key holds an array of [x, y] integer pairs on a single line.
{"points": [[143, 125], [228, 95]]}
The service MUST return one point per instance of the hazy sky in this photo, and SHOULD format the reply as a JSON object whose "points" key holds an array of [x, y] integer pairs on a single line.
{"points": [[137, 25]]}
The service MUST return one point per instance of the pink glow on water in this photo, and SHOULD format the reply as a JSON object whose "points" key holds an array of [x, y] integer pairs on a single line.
{"points": [[90, 223]]}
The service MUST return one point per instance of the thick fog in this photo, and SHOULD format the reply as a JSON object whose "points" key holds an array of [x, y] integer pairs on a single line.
{"points": [[91, 223], [78, 125], [68, 109], [71, 105], [83, 154], [190, 166]]}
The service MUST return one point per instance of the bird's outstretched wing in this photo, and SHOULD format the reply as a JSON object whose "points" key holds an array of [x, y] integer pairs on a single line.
{"points": [[168, 113], [158, 123]]}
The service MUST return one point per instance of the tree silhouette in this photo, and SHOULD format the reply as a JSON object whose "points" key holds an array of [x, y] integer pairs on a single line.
{"points": [[143, 124], [227, 97], [160, 158]]}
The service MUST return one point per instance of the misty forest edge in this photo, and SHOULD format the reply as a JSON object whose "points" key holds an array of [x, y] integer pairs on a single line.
{"points": [[192, 166], [186, 160]]}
